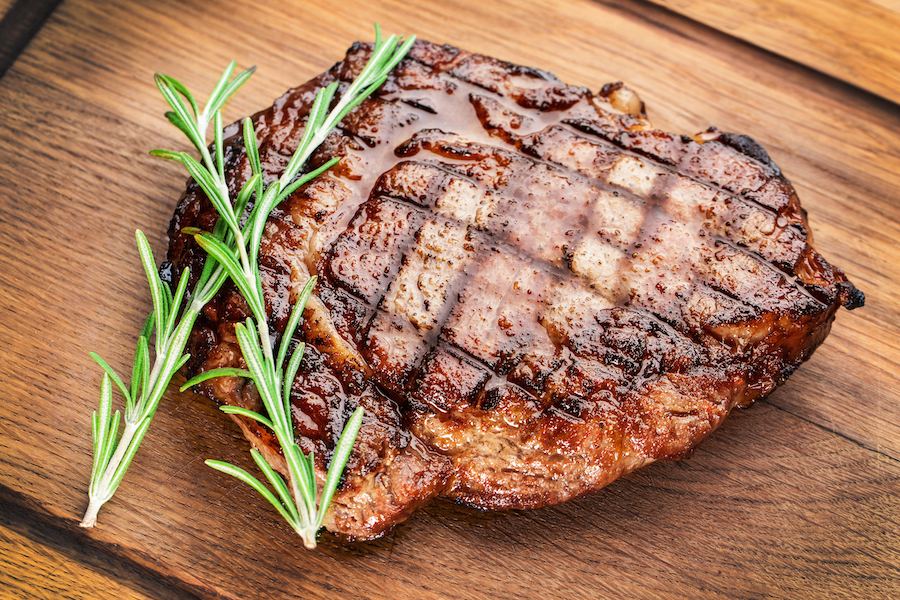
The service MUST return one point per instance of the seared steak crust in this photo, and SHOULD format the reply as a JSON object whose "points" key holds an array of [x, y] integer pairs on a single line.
{"points": [[529, 289]]}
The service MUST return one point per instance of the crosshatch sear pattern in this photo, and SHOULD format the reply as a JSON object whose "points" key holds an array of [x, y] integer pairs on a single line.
{"points": [[529, 289]]}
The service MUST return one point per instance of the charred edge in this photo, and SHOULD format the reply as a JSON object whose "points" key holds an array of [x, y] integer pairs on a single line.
{"points": [[748, 147], [849, 296]]}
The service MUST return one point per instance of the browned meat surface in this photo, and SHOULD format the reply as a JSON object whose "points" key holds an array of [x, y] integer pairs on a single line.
{"points": [[529, 289]]}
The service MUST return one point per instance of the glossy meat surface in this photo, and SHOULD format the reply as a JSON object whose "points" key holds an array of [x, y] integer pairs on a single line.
{"points": [[529, 289]]}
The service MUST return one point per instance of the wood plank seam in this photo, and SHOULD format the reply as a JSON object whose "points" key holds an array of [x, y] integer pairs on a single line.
{"points": [[19, 26], [21, 515]]}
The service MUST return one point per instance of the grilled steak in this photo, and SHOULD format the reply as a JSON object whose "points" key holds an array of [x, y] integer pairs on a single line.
{"points": [[529, 289]]}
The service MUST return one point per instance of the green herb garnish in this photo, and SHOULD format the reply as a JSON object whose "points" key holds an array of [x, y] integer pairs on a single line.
{"points": [[233, 252], [149, 383]]}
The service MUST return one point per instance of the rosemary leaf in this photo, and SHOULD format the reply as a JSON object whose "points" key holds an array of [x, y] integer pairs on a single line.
{"points": [[294, 320], [179, 115], [253, 482], [217, 96], [156, 286], [245, 412], [179, 87], [147, 328], [225, 88], [111, 373], [177, 122], [278, 483], [130, 451], [212, 374], [220, 153], [341, 455], [166, 154], [290, 372], [306, 177], [101, 421], [235, 84], [112, 429], [139, 373], [246, 192], [253, 153]]}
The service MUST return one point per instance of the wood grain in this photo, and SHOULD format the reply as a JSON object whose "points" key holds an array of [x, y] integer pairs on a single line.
{"points": [[795, 497], [857, 41]]}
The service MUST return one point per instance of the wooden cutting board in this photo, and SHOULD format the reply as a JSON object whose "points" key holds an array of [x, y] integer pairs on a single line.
{"points": [[795, 497]]}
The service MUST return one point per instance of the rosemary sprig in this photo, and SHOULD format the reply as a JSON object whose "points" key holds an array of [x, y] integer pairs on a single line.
{"points": [[171, 320], [300, 505], [233, 252]]}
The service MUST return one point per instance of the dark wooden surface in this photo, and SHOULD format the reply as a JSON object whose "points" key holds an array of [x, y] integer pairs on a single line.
{"points": [[19, 23], [796, 497]]}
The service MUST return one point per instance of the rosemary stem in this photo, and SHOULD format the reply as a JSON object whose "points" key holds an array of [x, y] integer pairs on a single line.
{"points": [[305, 528], [222, 185], [266, 341], [207, 158], [132, 435], [241, 243], [104, 490], [155, 374]]}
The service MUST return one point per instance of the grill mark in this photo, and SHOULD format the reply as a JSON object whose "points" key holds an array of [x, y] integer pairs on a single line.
{"points": [[437, 166], [494, 241], [482, 238], [495, 381], [581, 178], [673, 169], [418, 243], [620, 192], [405, 246], [616, 148], [622, 150], [772, 267], [743, 200], [545, 266], [669, 169], [739, 198], [430, 340]]}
